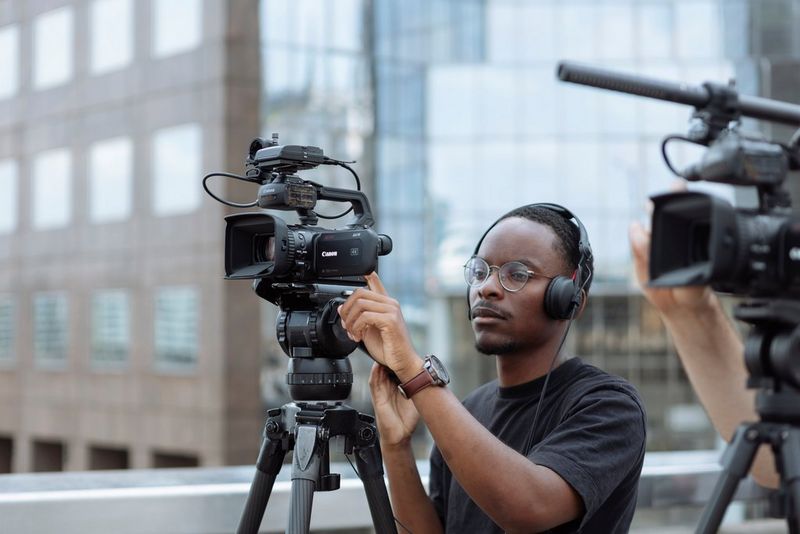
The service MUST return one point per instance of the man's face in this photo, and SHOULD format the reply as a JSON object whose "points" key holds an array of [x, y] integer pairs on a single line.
{"points": [[506, 322]]}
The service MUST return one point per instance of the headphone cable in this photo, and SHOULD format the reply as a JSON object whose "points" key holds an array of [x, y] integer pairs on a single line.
{"points": [[529, 439]]}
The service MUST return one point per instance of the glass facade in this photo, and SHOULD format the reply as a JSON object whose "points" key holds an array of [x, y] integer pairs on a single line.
{"points": [[469, 121]]}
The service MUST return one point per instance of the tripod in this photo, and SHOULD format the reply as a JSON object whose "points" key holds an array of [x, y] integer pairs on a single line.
{"points": [[771, 355], [306, 428]]}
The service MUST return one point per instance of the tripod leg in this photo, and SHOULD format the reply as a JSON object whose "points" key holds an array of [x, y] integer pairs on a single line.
{"points": [[268, 466], [790, 475], [735, 464], [305, 476], [370, 467]]}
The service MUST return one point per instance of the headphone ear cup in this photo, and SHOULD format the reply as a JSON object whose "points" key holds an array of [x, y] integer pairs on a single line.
{"points": [[558, 297]]}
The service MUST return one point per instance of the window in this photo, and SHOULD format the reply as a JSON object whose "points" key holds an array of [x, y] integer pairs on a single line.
{"points": [[48, 455], [110, 178], [110, 327], [6, 453], [52, 48], [7, 328], [9, 61], [108, 458], [170, 459], [8, 195], [52, 191], [177, 26], [176, 327], [50, 329], [176, 169], [111, 26]]}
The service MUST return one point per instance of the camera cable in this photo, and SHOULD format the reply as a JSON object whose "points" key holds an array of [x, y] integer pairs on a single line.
{"points": [[222, 200]]}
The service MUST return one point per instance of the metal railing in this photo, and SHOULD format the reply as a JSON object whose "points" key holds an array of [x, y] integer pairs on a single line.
{"points": [[210, 500]]}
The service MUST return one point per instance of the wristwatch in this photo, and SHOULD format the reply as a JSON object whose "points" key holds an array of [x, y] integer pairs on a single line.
{"points": [[433, 374]]}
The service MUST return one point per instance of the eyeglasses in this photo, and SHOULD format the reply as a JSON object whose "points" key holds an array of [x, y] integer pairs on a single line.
{"points": [[513, 275]]}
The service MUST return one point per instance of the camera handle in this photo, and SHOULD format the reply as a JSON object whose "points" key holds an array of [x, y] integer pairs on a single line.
{"points": [[357, 199], [307, 428]]}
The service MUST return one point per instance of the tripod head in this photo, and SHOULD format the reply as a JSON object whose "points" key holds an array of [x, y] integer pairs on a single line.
{"points": [[772, 357], [310, 333]]}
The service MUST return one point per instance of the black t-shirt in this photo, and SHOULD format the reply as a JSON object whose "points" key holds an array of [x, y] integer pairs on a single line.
{"points": [[591, 431]]}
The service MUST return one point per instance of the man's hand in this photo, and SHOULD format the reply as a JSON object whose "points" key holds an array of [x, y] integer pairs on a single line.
{"points": [[667, 300], [396, 416], [372, 317]]}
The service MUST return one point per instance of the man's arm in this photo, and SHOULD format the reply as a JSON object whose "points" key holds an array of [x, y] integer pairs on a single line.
{"points": [[517, 494], [710, 350]]}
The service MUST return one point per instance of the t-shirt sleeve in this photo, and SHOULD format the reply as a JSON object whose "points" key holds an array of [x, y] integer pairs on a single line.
{"points": [[436, 484], [597, 444]]}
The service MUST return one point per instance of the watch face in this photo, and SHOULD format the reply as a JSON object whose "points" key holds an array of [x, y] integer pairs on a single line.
{"points": [[438, 369]]}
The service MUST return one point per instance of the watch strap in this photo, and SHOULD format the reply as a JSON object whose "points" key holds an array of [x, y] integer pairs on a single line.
{"points": [[422, 380]]}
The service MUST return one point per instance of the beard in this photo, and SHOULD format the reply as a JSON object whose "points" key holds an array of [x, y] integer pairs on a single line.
{"points": [[496, 347]]}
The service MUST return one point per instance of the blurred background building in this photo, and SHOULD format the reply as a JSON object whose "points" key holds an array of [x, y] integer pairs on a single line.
{"points": [[120, 343], [117, 340]]}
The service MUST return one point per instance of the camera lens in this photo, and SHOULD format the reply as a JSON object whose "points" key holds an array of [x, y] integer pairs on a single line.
{"points": [[264, 248], [699, 242]]}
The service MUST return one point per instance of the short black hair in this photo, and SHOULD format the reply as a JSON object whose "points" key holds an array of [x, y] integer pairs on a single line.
{"points": [[567, 236]]}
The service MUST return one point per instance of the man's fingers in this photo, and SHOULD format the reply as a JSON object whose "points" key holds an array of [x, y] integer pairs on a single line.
{"points": [[375, 284], [376, 375], [359, 326], [380, 384], [366, 301]]}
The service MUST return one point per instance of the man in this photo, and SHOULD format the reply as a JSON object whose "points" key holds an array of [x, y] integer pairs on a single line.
{"points": [[492, 469], [709, 349]]}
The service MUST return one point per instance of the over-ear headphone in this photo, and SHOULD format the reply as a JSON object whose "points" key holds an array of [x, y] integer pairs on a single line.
{"points": [[564, 294]]}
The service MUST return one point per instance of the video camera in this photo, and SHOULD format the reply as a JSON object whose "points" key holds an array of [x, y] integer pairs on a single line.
{"points": [[699, 239], [307, 270]]}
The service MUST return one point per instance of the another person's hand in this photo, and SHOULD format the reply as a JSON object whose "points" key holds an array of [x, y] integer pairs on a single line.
{"points": [[668, 300], [372, 317], [396, 416]]}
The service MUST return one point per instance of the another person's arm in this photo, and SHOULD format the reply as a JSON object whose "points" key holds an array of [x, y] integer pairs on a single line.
{"points": [[710, 350]]}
